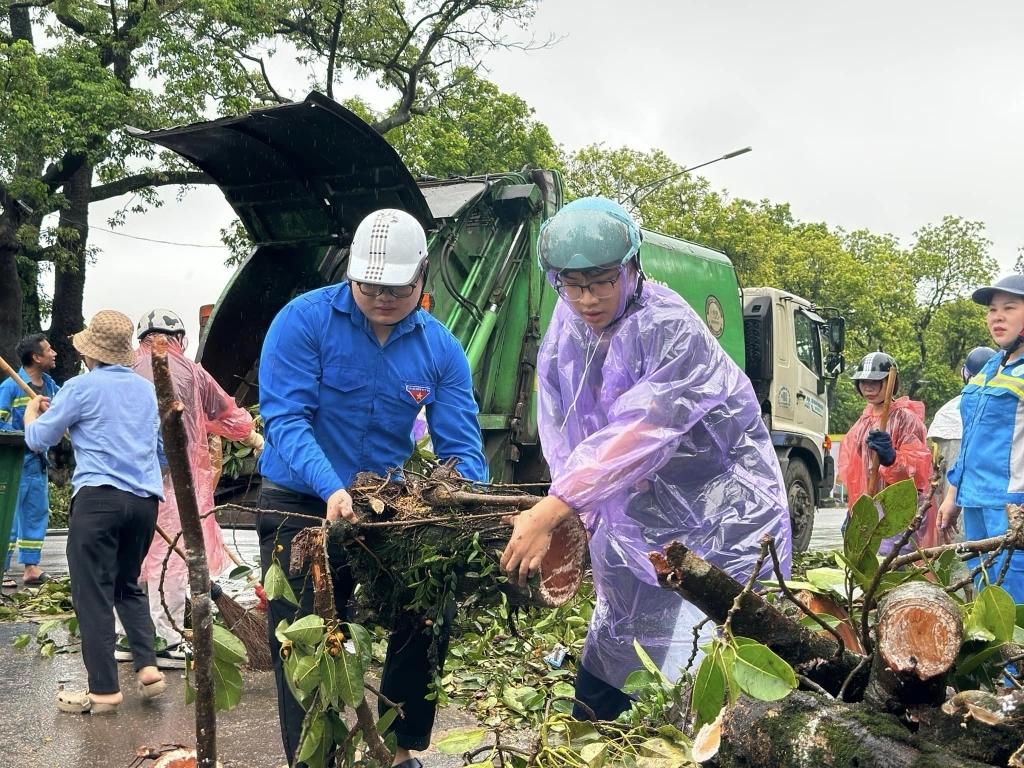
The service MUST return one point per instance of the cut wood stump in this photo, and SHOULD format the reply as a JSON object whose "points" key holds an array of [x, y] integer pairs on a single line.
{"points": [[919, 633]]}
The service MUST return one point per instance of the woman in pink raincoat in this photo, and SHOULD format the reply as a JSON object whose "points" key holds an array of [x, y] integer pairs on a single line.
{"points": [[901, 449], [209, 410]]}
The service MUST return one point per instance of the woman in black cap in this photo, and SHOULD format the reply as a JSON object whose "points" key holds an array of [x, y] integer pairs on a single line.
{"points": [[989, 473]]}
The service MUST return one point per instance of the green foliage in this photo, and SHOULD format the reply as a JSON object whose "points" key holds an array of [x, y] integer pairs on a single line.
{"points": [[238, 459], [60, 504], [478, 129]]}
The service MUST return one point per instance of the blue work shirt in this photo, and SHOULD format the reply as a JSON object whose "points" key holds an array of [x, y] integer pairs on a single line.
{"points": [[335, 401], [13, 401], [989, 472], [112, 416]]}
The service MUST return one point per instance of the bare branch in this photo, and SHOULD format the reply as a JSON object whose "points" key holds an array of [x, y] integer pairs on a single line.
{"points": [[334, 49], [139, 181]]}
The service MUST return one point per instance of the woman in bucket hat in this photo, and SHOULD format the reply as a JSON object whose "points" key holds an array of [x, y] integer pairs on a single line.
{"points": [[989, 472], [111, 414]]}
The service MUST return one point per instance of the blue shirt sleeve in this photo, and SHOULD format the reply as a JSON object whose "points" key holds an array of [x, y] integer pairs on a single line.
{"points": [[289, 398], [65, 410], [6, 398], [452, 417]]}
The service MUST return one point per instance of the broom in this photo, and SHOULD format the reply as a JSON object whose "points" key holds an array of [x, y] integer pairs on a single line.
{"points": [[249, 626]]}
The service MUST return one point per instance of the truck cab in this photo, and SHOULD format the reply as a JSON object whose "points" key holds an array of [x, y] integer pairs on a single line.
{"points": [[790, 352]]}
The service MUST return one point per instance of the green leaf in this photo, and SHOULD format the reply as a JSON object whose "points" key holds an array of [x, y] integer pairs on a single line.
{"points": [[760, 672], [276, 585], [386, 720], [564, 689], [665, 749], [646, 660], [329, 679], [22, 641], [861, 541], [240, 571], [1000, 612], [828, 580], [363, 643], [308, 630], [227, 647], [461, 741], [899, 505], [639, 680], [227, 684], [312, 740], [708, 689], [594, 755], [48, 649], [350, 678], [307, 674]]}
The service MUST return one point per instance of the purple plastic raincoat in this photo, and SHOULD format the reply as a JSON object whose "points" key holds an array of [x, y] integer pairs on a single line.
{"points": [[653, 434]]}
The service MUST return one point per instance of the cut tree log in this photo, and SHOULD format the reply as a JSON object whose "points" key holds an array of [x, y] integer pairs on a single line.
{"points": [[713, 591], [806, 731], [919, 633]]}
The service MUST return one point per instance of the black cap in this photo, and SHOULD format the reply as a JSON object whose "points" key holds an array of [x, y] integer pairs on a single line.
{"points": [[1013, 284]]}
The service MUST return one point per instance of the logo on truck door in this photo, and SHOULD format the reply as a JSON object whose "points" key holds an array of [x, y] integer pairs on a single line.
{"points": [[714, 317]]}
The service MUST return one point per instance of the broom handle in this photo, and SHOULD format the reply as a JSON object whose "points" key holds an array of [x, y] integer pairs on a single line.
{"points": [[170, 542], [6, 368], [890, 382]]}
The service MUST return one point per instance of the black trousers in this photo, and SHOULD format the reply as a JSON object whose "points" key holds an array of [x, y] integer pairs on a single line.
{"points": [[607, 701], [408, 670], [109, 534]]}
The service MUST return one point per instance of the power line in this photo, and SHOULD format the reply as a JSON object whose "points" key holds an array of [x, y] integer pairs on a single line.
{"points": [[152, 240]]}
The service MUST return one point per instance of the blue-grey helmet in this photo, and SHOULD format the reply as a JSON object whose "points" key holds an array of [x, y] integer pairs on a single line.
{"points": [[1013, 284], [589, 233]]}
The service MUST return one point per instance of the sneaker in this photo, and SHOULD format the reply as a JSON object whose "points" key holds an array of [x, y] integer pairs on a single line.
{"points": [[172, 657], [122, 651]]}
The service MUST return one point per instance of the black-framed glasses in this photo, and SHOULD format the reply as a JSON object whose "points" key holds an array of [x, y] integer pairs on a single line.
{"points": [[398, 291], [599, 289]]}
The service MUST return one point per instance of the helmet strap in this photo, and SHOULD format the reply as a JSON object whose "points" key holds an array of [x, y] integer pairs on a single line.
{"points": [[1012, 348]]}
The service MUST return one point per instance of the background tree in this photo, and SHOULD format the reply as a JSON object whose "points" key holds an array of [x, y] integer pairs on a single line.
{"points": [[155, 64]]}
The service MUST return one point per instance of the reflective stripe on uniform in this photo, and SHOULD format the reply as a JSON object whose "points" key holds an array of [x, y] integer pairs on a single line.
{"points": [[29, 544], [20, 402]]}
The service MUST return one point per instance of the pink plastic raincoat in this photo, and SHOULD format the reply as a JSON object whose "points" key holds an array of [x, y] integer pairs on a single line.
{"points": [[208, 410], [913, 459], [653, 434]]}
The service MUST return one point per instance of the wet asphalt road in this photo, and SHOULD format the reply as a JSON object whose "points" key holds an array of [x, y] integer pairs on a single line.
{"points": [[34, 734]]}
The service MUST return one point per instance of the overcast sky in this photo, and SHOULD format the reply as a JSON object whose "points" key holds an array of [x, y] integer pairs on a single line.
{"points": [[877, 115]]}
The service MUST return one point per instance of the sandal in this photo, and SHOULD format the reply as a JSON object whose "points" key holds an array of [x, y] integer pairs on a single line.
{"points": [[9, 583], [154, 689], [39, 580], [80, 703]]}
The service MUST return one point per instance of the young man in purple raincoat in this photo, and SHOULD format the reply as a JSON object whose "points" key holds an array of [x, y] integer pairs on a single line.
{"points": [[652, 435]]}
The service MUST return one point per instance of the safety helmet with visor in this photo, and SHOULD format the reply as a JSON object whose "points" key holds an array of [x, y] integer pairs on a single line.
{"points": [[587, 234], [159, 321], [874, 366], [389, 249]]}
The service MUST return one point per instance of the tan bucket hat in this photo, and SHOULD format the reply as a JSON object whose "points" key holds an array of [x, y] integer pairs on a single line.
{"points": [[108, 338]]}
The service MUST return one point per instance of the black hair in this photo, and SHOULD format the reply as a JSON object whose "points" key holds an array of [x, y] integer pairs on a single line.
{"points": [[29, 346]]}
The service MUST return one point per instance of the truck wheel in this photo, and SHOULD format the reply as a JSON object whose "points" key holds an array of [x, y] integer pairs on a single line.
{"points": [[800, 494]]}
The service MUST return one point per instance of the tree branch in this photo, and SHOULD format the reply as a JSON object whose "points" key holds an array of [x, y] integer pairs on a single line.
{"points": [[148, 179], [334, 49]]}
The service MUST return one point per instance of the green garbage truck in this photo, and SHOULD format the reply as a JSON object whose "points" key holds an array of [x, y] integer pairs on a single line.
{"points": [[301, 176]]}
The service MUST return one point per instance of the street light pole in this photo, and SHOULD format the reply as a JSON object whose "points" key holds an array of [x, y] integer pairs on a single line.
{"points": [[658, 182]]}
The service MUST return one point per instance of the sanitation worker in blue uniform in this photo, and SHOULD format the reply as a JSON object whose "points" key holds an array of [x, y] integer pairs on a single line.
{"points": [[33, 511], [989, 472], [344, 372]]}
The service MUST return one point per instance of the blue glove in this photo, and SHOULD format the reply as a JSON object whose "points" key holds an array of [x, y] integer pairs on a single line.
{"points": [[881, 443]]}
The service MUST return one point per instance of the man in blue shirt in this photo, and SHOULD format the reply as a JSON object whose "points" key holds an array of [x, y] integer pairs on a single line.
{"points": [[344, 372], [33, 510], [111, 415]]}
